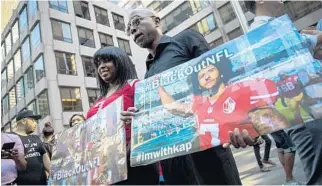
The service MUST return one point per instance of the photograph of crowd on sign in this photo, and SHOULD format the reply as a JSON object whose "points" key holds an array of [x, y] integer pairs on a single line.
{"points": [[263, 81], [92, 153]]}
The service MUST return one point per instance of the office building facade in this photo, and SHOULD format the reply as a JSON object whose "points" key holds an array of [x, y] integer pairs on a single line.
{"points": [[47, 49]]}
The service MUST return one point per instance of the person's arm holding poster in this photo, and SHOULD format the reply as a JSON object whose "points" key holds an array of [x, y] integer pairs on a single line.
{"points": [[174, 107], [318, 45]]}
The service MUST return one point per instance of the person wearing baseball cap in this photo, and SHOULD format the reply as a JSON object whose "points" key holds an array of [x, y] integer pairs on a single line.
{"points": [[35, 153]]}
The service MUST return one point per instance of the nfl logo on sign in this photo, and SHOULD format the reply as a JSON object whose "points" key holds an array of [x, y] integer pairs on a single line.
{"points": [[229, 106]]}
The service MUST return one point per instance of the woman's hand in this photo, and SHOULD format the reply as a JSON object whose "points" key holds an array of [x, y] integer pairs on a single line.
{"points": [[126, 116]]}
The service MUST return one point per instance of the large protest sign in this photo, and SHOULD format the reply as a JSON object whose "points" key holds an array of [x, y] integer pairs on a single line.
{"points": [[91, 153], [263, 81]]}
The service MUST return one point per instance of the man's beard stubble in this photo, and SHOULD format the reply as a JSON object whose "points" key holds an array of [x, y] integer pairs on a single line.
{"points": [[214, 89]]}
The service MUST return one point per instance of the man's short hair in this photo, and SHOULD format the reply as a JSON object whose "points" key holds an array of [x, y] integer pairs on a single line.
{"points": [[251, 6]]}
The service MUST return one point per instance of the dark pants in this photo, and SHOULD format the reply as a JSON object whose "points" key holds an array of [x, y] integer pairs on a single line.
{"points": [[143, 175], [307, 139], [215, 166], [283, 141], [268, 144]]}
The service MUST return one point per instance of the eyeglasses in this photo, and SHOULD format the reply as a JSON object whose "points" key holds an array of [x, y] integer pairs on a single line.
{"points": [[136, 21]]}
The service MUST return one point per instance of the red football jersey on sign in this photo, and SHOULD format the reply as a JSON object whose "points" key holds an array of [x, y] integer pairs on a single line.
{"points": [[230, 109]]}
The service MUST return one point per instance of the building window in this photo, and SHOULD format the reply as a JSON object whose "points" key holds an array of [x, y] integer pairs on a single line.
{"points": [[216, 43], [10, 70], [89, 68], [29, 80], [32, 7], [71, 99], [101, 16], [39, 68], [299, 9], [3, 51], [81, 9], [93, 95], [243, 6], [235, 33], [20, 89], [86, 37], [23, 21], [43, 104], [198, 5], [8, 43], [15, 32], [159, 5], [131, 5], [32, 106], [12, 97], [206, 25], [5, 104], [17, 60], [61, 31], [35, 36], [124, 45], [106, 40], [60, 5], [250, 21], [65, 63], [25, 50], [177, 16], [118, 22], [4, 78], [227, 13]]}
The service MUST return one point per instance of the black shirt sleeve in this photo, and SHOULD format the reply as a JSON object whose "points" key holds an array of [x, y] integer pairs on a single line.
{"points": [[42, 149], [194, 42]]}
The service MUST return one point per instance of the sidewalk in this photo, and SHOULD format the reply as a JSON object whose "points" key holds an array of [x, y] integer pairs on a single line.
{"points": [[251, 175]]}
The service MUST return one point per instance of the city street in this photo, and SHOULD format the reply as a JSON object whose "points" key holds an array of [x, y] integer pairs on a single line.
{"points": [[251, 175]]}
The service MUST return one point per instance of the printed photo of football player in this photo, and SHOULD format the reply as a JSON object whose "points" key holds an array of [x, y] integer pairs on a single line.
{"points": [[292, 94], [300, 92], [219, 108]]}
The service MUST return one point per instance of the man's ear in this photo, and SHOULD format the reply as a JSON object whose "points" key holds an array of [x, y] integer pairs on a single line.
{"points": [[157, 21]]}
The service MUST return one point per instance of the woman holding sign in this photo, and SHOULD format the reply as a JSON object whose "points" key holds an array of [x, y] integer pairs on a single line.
{"points": [[117, 77]]}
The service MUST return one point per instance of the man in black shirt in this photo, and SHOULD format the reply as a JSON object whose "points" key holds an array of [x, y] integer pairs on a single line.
{"points": [[35, 154], [215, 166]]}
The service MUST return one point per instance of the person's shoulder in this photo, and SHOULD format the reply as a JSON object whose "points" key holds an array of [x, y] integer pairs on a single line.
{"points": [[34, 136], [11, 135], [132, 82], [187, 34]]}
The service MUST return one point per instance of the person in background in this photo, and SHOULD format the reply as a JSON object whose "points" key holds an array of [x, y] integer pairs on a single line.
{"points": [[12, 160], [307, 138], [117, 77], [76, 119], [49, 138], [268, 143], [213, 166], [38, 162], [319, 28]]}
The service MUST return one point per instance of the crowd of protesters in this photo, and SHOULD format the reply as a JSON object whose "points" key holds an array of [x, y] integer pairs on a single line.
{"points": [[27, 162]]}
